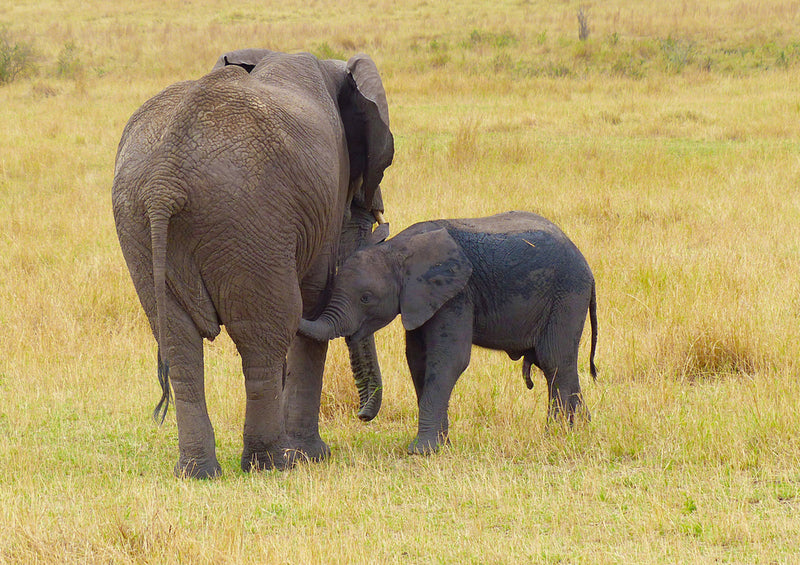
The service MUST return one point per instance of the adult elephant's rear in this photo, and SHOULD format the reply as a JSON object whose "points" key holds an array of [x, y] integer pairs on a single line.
{"points": [[234, 196]]}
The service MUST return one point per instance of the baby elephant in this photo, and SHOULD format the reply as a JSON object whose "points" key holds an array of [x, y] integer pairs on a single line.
{"points": [[512, 282]]}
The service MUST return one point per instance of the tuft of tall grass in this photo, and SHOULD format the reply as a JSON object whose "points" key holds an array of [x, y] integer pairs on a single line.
{"points": [[68, 64], [709, 355]]}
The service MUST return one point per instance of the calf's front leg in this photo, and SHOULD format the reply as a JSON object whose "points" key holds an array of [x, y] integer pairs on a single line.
{"points": [[441, 347]]}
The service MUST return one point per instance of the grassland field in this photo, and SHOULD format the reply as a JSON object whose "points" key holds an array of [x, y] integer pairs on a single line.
{"points": [[666, 144]]}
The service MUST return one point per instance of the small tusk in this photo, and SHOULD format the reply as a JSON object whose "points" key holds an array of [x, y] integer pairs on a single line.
{"points": [[379, 217]]}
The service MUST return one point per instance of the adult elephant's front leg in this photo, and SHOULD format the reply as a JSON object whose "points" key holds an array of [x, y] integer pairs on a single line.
{"points": [[301, 399]]}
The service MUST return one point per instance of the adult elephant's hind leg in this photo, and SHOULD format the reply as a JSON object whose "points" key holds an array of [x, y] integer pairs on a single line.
{"points": [[302, 388], [263, 358], [197, 458]]}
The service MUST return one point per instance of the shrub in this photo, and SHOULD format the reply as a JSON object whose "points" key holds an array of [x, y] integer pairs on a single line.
{"points": [[677, 53], [15, 57], [497, 40]]}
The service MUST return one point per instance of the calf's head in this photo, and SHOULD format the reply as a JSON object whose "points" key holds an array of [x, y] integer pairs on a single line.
{"points": [[411, 275]]}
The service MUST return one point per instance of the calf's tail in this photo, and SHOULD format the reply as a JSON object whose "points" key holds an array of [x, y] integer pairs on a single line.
{"points": [[593, 321]]}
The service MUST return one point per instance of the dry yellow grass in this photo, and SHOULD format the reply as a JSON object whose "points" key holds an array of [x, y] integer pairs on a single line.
{"points": [[666, 146]]}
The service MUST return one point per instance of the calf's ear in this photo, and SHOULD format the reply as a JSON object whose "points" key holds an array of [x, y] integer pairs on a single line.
{"points": [[435, 270]]}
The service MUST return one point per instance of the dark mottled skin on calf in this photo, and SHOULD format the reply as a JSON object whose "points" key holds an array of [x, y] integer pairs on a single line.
{"points": [[511, 282], [516, 277]]}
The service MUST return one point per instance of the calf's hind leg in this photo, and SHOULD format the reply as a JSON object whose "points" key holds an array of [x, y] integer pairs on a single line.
{"points": [[557, 356]]}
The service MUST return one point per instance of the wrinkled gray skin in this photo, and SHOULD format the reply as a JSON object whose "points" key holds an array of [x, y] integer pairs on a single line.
{"points": [[511, 282], [234, 197]]}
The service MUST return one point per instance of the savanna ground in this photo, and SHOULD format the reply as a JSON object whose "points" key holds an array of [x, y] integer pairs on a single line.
{"points": [[665, 143]]}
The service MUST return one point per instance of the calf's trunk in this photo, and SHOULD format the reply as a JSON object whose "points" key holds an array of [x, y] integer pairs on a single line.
{"points": [[320, 329]]}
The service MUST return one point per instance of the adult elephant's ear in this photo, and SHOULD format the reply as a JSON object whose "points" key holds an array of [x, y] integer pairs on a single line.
{"points": [[245, 58], [365, 114]]}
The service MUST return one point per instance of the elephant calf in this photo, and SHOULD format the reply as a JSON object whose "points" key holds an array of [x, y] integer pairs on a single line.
{"points": [[512, 282]]}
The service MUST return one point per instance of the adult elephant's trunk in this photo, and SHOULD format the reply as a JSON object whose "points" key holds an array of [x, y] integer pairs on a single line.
{"points": [[356, 233], [367, 374]]}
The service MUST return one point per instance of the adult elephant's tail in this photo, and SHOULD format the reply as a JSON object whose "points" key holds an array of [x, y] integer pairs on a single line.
{"points": [[162, 201], [159, 223]]}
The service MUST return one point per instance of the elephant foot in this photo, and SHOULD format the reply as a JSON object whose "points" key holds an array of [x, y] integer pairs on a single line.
{"points": [[195, 469], [427, 446], [574, 411], [265, 460], [306, 449]]}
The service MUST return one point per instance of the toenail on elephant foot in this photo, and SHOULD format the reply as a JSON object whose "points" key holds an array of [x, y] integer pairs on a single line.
{"points": [[195, 469], [582, 414]]}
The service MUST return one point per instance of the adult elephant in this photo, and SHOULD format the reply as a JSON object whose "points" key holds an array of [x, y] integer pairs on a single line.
{"points": [[234, 197]]}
